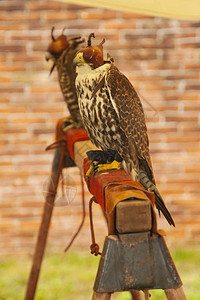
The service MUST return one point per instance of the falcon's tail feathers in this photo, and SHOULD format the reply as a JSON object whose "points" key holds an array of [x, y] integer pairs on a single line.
{"points": [[160, 205]]}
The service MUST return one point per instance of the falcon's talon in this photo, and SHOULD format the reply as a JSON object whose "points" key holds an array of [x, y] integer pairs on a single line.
{"points": [[108, 166], [95, 167], [65, 128], [90, 169]]}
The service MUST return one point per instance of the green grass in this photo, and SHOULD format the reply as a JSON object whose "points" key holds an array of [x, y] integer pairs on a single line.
{"points": [[71, 276]]}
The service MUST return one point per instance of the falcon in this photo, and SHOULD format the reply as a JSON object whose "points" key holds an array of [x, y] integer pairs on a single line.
{"points": [[113, 116], [62, 51]]}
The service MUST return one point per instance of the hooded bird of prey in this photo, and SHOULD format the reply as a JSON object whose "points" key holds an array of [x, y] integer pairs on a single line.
{"points": [[62, 52], [113, 116]]}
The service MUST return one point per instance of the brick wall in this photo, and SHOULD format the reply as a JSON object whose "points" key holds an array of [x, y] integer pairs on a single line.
{"points": [[160, 56]]}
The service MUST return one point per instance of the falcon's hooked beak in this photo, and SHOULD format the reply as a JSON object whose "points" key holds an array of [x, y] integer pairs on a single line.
{"points": [[78, 60], [48, 56]]}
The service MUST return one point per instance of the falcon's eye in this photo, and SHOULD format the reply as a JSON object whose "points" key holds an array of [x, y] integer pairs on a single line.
{"points": [[79, 57]]}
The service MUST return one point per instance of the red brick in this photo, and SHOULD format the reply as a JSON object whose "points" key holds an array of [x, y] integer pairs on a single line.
{"points": [[193, 170], [26, 58], [160, 66], [40, 6], [183, 181], [191, 45], [11, 90], [48, 109], [193, 149], [14, 173], [195, 65], [28, 120], [186, 24], [2, 16], [184, 139], [12, 68], [190, 75], [12, 130], [188, 95], [2, 57], [12, 27], [10, 7], [93, 15], [127, 15], [23, 37], [12, 48], [16, 109], [84, 26], [181, 119], [119, 25], [44, 89], [25, 16], [5, 79], [193, 86], [183, 34], [162, 129], [32, 140], [194, 107], [43, 131], [61, 16], [155, 86]]}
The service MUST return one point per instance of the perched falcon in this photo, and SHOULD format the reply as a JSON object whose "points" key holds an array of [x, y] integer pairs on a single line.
{"points": [[113, 116], [62, 52]]}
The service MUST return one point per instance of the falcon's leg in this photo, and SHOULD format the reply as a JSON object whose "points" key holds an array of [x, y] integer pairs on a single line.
{"points": [[67, 124], [104, 156], [103, 160], [108, 166]]}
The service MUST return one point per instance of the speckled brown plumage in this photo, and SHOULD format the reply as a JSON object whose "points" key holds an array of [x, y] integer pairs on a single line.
{"points": [[63, 61], [114, 119], [66, 77], [131, 116]]}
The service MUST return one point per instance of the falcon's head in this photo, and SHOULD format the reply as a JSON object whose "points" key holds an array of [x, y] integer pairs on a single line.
{"points": [[58, 45], [90, 55]]}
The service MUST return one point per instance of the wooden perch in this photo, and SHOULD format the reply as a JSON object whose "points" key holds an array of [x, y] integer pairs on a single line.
{"points": [[104, 186]]}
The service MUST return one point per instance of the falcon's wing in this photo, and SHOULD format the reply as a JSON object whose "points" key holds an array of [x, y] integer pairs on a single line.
{"points": [[131, 115], [132, 121]]}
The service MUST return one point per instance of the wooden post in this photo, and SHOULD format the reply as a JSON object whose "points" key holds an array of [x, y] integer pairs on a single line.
{"points": [[80, 149], [101, 296], [136, 295], [175, 294], [44, 226], [106, 296]]}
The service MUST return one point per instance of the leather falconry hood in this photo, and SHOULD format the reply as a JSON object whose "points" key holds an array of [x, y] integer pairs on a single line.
{"points": [[58, 45], [93, 55]]}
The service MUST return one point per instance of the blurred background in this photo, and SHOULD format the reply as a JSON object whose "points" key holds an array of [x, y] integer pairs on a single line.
{"points": [[161, 57]]}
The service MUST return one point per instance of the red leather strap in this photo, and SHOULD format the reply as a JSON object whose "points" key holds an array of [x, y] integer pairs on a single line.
{"points": [[97, 183], [74, 135], [101, 180]]}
